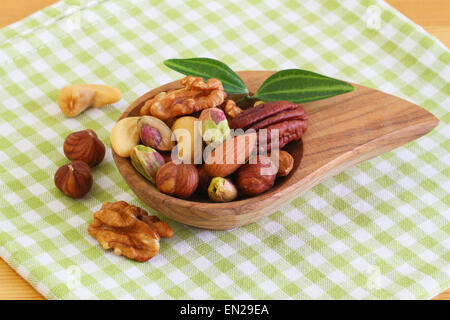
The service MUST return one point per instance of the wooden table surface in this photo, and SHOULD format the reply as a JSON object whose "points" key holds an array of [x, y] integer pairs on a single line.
{"points": [[433, 15]]}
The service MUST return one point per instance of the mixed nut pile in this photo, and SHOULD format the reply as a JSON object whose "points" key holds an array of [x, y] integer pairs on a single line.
{"points": [[194, 140], [125, 228], [191, 142]]}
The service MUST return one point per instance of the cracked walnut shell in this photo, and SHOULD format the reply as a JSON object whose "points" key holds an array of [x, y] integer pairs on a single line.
{"points": [[195, 96], [128, 230]]}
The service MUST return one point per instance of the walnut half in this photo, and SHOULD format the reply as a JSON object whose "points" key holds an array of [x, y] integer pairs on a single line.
{"points": [[195, 96], [128, 230]]}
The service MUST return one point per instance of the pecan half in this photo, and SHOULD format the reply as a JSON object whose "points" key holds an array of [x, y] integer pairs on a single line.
{"points": [[195, 96], [260, 112], [290, 119], [128, 230], [287, 130]]}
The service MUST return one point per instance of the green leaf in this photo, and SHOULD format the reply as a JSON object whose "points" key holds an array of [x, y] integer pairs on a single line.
{"points": [[299, 86], [209, 68]]}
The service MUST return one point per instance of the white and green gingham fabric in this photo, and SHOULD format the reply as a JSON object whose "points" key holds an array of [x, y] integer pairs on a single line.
{"points": [[378, 230]]}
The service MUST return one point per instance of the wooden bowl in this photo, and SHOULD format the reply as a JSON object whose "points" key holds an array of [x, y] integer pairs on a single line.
{"points": [[343, 131]]}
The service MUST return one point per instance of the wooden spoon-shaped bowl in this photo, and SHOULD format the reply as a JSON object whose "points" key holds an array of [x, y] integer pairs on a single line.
{"points": [[343, 131]]}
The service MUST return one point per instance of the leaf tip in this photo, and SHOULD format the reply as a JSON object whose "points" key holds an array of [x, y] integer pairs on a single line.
{"points": [[349, 87]]}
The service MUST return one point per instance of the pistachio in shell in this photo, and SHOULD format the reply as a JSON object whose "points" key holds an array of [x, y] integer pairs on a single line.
{"points": [[215, 127], [155, 133], [222, 190], [146, 161]]}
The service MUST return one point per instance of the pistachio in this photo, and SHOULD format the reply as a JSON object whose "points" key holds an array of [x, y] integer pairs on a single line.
{"points": [[155, 133], [222, 190], [124, 136], [146, 161], [215, 127]]}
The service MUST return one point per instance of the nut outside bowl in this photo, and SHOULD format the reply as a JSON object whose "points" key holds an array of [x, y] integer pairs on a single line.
{"points": [[343, 131]]}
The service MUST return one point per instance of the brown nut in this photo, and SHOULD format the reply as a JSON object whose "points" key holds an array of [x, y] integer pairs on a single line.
{"points": [[230, 155], [231, 109], [285, 163], [74, 179], [287, 119], [288, 131], [177, 178], [204, 180], [85, 146], [162, 228], [76, 98], [128, 230], [195, 96], [257, 176]]}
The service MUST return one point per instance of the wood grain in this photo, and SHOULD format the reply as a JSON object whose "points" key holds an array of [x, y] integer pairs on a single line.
{"points": [[14, 287], [343, 131], [430, 14], [14, 10]]}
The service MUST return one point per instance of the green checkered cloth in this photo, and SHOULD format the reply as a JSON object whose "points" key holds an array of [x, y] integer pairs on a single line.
{"points": [[379, 230]]}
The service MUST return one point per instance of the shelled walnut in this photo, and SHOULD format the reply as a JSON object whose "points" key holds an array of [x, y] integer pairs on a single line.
{"points": [[128, 230], [195, 96]]}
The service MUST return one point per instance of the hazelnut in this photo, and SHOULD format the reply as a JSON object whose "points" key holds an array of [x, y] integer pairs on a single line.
{"points": [[74, 179], [204, 179], [177, 178], [285, 163], [222, 190], [85, 146], [257, 176]]}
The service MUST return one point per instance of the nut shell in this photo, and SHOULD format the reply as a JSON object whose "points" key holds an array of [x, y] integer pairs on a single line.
{"points": [[85, 146], [222, 190], [146, 161], [74, 179], [257, 176], [177, 178], [155, 133]]}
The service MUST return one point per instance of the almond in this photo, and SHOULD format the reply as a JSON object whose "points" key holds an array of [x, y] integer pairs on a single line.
{"points": [[230, 155]]}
